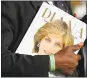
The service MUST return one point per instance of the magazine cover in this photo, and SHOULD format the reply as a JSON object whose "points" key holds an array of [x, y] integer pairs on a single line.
{"points": [[48, 13]]}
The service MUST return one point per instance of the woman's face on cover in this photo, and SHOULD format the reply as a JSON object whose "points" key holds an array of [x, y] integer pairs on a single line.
{"points": [[50, 44]]}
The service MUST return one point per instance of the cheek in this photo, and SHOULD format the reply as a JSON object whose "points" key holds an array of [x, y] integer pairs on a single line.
{"points": [[42, 44], [55, 50]]}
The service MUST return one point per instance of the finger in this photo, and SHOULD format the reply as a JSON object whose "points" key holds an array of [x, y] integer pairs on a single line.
{"points": [[69, 71], [78, 57], [77, 47]]}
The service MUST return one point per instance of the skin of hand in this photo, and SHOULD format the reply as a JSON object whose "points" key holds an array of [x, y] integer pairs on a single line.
{"points": [[66, 60]]}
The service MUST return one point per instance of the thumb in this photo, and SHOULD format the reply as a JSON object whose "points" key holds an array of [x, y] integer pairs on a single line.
{"points": [[77, 47]]}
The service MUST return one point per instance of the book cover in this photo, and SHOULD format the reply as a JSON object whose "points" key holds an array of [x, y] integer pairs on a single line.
{"points": [[47, 13]]}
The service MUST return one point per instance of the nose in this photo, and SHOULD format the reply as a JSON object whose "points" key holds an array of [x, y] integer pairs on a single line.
{"points": [[49, 49]]}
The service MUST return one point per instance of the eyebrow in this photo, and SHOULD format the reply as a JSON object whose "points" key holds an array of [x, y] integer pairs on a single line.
{"points": [[56, 42], [48, 37], [59, 43]]}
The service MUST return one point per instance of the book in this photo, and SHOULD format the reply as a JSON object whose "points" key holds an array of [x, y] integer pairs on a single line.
{"points": [[46, 13]]}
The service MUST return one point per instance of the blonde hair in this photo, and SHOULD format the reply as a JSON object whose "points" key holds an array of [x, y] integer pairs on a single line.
{"points": [[57, 27]]}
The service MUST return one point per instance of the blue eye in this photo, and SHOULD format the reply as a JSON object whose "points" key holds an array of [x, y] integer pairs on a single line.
{"points": [[57, 44]]}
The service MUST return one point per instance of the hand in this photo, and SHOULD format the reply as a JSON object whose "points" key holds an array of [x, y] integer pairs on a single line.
{"points": [[66, 60]]}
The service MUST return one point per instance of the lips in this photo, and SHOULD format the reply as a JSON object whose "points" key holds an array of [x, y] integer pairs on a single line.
{"points": [[48, 53]]}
